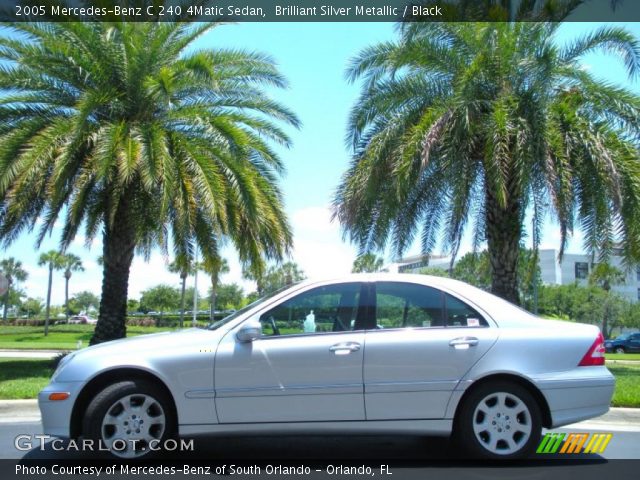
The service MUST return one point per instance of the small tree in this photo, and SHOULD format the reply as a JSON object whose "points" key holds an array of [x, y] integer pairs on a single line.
{"points": [[160, 298], [277, 277], [214, 266], [605, 276], [367, 263], [69, 263], [32, 307], [183, 266], [85, 300], [53, 260], [13, 271], [230, 295]]}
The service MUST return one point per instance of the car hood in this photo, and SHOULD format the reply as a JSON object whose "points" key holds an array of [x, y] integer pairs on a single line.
{"points": [[152, 340], [140, 351]]}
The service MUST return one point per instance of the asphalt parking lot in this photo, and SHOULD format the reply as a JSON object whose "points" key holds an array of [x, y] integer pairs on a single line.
{"points": [[331, 456]]}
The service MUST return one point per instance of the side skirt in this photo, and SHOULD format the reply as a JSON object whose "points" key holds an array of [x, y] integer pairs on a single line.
{"points": [[402, 427]]}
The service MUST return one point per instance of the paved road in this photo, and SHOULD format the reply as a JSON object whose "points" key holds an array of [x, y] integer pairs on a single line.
{"points": [[624, 445]]}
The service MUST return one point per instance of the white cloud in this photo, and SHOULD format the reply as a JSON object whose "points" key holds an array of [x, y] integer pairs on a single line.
{"points": [[318, 246]]}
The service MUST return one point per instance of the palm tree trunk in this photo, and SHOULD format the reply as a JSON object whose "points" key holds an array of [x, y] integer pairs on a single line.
{"points": [[503, 232], [182, 299], [214, 287], [47, 311], [6, 304], [118, 250]]}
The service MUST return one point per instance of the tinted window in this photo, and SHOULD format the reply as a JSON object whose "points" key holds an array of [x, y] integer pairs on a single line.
{"points": [[325, 309], [406, 305], [459, 314]]}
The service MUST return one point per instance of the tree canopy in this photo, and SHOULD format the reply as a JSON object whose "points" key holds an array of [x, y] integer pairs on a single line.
{"points": [[471, 125]]}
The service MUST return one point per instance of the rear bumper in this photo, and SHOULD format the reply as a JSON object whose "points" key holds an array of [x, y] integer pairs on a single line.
{"points": [[56, 415], [578, 394]]}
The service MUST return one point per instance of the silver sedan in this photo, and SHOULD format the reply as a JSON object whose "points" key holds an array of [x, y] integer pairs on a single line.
{"points": [[365, 353]]}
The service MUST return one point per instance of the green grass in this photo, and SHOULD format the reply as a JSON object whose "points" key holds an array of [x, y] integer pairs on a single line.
{"points": [[627, 393], [61, 337], [22, 378], [622, 356]]}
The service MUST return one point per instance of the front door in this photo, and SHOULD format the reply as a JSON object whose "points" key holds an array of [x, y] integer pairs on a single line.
{"points": [[307, 366]]}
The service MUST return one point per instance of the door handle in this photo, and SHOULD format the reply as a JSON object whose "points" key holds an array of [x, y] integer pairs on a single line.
{"points": [[344, 348], [464, 342]]}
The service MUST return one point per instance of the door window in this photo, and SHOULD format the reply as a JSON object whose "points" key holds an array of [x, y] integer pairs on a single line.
{"points": [[459, 314], [407, 305], [332, 308]]}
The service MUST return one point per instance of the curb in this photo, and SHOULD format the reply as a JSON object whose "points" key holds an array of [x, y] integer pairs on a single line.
{"points": [[19, 411]]}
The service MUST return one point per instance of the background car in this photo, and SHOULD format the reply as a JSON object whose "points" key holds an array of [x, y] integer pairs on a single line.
{"points": [[625, 343], [82, 319], [381, 353]]}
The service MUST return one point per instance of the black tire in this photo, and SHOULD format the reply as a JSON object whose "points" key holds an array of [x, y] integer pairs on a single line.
{"points": [[619, 350], [128, 393], [504, 424]]}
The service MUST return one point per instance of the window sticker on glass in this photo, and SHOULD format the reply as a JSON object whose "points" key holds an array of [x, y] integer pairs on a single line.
{"points": [[473, 322]]}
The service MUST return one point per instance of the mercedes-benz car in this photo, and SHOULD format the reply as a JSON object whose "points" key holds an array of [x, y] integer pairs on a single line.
{"points": [[373, 353]]}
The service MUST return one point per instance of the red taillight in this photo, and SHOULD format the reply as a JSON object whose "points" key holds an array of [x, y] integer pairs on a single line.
{"points": [[595, 354]]}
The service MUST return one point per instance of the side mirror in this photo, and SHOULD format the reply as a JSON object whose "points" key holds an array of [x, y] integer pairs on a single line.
{"points": [[249, 331]]}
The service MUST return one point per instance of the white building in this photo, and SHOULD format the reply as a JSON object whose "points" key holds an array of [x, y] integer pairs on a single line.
{"points": [[415, 263], [575, 267]]}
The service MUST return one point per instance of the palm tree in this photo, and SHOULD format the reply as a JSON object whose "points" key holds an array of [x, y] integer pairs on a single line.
{"points": [[13, 271], [605, 275], [367, 262], [69, 263], [184, 268], [54, 261], [139, 139], [214, 266], [473, 124]]}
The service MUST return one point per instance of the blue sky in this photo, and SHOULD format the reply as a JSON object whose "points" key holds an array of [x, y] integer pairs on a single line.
{"points": [[313, 57]]}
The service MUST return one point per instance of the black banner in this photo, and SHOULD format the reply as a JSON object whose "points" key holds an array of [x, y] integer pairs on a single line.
{"points": [[318, 10], [301, 469]]}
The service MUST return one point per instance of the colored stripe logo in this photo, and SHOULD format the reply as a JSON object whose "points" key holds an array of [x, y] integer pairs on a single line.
{"points": [[574, 443]]}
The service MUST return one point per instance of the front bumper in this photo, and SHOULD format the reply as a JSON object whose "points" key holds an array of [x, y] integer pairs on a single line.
{"points": [[56, 415]]}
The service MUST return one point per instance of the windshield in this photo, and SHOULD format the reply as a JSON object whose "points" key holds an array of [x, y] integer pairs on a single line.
{"points": [[624, 336], [236, 314]]}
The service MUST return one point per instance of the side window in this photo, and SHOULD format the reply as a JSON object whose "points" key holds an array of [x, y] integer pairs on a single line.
{"points": [[459, 314], [325, 309], [581, 270], [406, 305]]}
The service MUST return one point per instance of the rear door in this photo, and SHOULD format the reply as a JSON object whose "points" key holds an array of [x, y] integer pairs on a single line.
{"points": [[423, 343]]}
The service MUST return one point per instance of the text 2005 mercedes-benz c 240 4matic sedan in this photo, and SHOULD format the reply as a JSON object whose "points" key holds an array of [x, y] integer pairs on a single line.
{"points": [[376, 353]]}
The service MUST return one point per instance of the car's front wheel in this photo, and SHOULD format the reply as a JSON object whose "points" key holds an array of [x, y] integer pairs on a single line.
{"points": [[499, 420], [132, 419], [619, 350]]}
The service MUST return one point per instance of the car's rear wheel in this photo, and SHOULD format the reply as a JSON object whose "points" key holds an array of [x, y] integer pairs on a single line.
{"points": [[499, 420], [132, 419], [619, 350]]}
